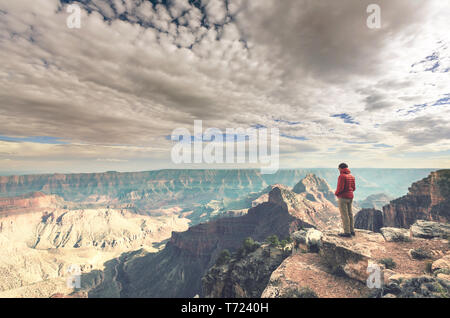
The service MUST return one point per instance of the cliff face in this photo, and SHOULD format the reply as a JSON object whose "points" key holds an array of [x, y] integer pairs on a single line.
{"points": [[29, 202], [243, 278], [177, 270], [427, 199], [369, 219]]}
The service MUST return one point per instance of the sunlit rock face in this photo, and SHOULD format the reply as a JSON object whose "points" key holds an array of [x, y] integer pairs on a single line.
{"points": [[427, 199]]}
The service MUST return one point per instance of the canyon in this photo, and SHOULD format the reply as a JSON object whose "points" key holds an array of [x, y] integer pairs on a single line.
{"points": [[159, 233]]}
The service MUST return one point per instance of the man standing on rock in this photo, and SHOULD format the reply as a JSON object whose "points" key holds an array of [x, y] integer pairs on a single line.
{"points": [[344, 192]]}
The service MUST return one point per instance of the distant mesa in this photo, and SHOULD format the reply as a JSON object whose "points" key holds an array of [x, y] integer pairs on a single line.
{"points": [[375, 201]]}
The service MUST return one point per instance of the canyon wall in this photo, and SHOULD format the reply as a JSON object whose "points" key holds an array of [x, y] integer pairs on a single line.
{"points": [[427, 199]]}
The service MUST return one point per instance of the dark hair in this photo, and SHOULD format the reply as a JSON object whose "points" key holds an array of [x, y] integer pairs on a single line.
{"points": [[343, 166]]}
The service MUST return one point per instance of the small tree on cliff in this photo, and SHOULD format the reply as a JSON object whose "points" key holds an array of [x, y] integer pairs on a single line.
{"points": [[250, 245], [223, 257], [273, 241]]}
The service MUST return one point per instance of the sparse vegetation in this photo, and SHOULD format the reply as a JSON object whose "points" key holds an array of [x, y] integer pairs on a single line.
{"points": [[223, 257], [442, 271], [303, 292], [388, 262], [273, 241], [250, 245], [420, 253], [400, 239]]}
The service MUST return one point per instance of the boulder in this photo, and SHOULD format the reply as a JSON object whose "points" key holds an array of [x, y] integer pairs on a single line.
{"points": [[443, 276], [313, 240], [347, 256], [430, 229], [442, 264], [392, 234], [299, 237]]}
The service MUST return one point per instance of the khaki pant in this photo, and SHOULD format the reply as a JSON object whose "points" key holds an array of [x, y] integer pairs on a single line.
{"points": [[345, 207]]}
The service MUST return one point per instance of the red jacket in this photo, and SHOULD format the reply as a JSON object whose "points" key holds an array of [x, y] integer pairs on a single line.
{"points": [[346, 185]]}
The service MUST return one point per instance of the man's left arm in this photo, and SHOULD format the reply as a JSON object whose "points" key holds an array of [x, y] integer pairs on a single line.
{"points": [[340, 186]]}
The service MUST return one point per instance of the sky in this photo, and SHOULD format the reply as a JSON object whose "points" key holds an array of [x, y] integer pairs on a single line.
{"points": [[107, 95]]}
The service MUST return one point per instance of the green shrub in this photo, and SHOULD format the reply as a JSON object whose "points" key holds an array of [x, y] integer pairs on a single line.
{"points": [[303, 292], [388, 263], [250, 245], [273, 241], [420, 253], [223, 257], [283, 243]]}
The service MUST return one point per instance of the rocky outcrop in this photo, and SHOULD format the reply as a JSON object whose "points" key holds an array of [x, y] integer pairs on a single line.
{"points": [[369, 219], [315, 189], [350, 257], [393, 234], [427, 199], [245, 277], [343, 267], [429, 229], [442, 266], [415, 287], [307, 203]]}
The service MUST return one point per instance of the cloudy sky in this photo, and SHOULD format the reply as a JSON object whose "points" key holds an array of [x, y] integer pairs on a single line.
{"points": [[106, 96]]}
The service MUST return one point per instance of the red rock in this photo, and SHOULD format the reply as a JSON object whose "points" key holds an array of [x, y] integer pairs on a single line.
{"points": [[427, 199]]}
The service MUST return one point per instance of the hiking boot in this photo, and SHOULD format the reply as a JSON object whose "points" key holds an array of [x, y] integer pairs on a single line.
{"points": [[345, 234]]}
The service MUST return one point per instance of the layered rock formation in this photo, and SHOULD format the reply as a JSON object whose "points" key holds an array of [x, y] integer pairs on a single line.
{"points": [[427, 199], [158, 188], [35, 201], [37, 248], [308, 203], [315, 189]]}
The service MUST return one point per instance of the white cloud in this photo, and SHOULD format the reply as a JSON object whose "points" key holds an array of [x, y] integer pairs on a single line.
{"points": [[131, 82]]}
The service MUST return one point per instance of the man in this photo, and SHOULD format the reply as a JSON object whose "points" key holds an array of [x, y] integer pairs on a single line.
{"points": [[344, 192]]}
